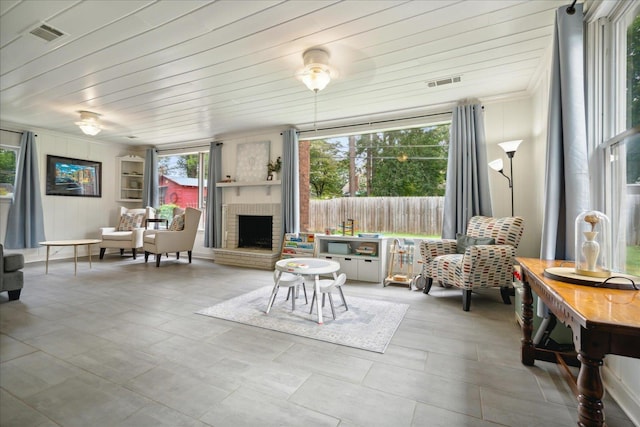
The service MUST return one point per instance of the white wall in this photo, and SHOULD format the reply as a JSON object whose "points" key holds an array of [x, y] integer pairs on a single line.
{"points": [[72, 217], [506, 121]]}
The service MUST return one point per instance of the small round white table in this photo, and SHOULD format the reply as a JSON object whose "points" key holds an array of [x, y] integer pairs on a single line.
{"points": [[75, 243], [306, 267]]}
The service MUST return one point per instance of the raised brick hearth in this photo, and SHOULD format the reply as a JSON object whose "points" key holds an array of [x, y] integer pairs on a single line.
{"points": [[230, 254]]}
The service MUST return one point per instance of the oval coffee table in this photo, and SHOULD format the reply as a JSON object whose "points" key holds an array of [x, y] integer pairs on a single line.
{"points": [[75, 243]]}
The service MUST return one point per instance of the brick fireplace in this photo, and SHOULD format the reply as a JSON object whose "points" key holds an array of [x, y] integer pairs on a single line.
{"points": [[231, 254]]}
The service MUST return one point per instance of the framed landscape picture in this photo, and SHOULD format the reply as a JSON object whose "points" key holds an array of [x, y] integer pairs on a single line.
{"points": [[73, 177]]}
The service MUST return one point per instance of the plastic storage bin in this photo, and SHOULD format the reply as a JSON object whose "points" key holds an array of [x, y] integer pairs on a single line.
{"points": [[339, 248]]}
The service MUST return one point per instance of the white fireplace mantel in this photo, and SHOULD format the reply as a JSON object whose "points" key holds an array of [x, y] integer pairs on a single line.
{"points": [[238, 185]]}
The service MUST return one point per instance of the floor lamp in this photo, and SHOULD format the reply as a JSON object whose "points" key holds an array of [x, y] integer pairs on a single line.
{"points": [[510, 148]]}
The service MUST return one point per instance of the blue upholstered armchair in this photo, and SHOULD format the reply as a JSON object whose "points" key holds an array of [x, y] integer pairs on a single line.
{"points": [[482, 258]]}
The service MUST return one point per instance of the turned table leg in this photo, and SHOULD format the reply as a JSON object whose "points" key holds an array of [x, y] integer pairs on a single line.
{"points": [[590, 392], [528, 350]]}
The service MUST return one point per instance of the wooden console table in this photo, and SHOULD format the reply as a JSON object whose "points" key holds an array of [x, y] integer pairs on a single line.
{"points": [[603, 321]]}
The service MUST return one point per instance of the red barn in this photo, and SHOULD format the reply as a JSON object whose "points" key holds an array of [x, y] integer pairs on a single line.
{"points": [[179, 191]]}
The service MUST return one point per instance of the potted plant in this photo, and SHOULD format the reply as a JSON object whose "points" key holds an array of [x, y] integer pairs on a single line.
{"points": [[274, 167]]}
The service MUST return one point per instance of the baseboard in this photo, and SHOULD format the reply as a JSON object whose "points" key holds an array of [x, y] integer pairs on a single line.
{"points": [[622, 395]]}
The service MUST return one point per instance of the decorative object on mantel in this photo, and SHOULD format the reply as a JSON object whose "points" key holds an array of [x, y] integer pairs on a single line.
{"points": [[274, 168], [227, 179], [369, 324], [593, 246], [251, 161]]}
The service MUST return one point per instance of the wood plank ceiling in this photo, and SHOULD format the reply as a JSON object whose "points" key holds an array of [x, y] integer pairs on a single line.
{"points": [[176, 71]]}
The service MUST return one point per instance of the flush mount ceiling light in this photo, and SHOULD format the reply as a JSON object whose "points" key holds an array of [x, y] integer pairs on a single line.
{"points": [[89, 123], [317, 72]]}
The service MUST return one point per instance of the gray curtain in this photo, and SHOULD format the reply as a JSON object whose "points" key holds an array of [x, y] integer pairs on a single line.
{"points": [[290, 182], [150, 186], [467, 189], [25, 221], [567, 167], [213, 214]]}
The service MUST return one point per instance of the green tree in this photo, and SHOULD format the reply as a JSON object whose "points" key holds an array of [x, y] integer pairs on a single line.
{"points": [[189, 163], [328, 174], [7, 166], [408, 162], [182, 166]]}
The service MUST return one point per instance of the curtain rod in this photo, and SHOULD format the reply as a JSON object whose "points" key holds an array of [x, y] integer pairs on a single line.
{"points": [[15, 131], [185, 148], [377, 122]]}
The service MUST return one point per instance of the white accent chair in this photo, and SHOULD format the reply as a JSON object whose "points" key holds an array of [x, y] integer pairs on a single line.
{"points": [[175, 240], [326, 286], [128, 233]]}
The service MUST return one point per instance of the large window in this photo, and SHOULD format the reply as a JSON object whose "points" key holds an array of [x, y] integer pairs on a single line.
{"points": [[8, 157], [631, 147], [398, 163], [390, 169], [182, 182], [620, 142]]}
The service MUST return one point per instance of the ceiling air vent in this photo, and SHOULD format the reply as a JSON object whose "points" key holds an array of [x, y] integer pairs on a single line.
{"points": [[445, 81], [47, 33]]}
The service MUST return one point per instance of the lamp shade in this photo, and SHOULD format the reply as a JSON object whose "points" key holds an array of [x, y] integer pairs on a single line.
{"points": [[510, 147], [496, 165], [89, 123]]}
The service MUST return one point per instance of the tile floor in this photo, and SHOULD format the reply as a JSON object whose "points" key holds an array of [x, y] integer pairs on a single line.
{"points": [[120, 345]]}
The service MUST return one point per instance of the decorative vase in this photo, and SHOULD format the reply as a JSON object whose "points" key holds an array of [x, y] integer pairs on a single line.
{"points": [[590, 249], [274, 174]]}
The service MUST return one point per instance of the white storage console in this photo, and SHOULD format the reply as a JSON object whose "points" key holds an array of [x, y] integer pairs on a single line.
{"points": [[360, 258]]}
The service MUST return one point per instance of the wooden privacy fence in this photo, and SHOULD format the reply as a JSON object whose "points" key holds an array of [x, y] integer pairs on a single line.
{"points": [[410, 215]]}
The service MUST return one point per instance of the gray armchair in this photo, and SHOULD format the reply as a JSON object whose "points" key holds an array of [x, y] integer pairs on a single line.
{"points": [[11, 278]]}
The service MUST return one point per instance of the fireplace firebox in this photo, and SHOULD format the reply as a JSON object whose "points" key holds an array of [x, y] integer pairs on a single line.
{"points": [[254, 231]]}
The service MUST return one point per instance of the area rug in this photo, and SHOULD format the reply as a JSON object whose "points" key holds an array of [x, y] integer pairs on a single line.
{"points": [[368, 324]]}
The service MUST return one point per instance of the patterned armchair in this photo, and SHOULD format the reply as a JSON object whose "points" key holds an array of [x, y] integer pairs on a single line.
{"points": [[483, 258]]}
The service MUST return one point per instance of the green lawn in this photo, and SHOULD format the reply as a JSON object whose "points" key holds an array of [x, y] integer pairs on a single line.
{"points": [[633, 260]]}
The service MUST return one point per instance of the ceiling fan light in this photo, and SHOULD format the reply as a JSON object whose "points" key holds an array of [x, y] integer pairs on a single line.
{"points": [[89, 123], [317, 73], [316, 78]]}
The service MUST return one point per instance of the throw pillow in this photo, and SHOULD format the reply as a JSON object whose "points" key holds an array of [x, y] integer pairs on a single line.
{"points": [[129, 221], [463, 241], [177, 224]]}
